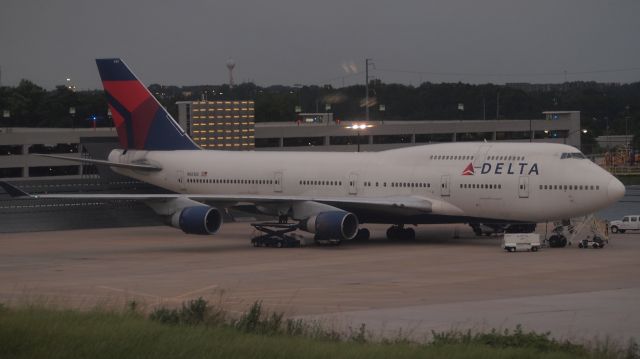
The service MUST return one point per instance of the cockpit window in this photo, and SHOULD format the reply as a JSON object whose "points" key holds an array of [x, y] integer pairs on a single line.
{"points": [[576, 155]]}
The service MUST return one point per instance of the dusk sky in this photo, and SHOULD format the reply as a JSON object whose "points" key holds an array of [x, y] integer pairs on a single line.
{"points": [[321, 42]]}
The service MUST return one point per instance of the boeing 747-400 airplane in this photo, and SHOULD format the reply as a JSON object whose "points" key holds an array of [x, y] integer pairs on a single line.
{"points": [[333, 194]]}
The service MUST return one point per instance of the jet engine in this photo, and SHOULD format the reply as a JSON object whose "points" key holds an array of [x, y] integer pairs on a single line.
{"points": [[197, 220], [332, 225]]}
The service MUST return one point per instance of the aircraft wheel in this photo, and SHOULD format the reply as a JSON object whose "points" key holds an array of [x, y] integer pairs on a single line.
{"points": [[363, 235], [392, 233], [409, 234], [563, 242]]}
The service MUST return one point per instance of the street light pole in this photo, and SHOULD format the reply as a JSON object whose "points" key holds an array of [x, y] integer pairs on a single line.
{"points": [[366, 89], [626, 126], [358, 127], [72, 112], [6, 114]]}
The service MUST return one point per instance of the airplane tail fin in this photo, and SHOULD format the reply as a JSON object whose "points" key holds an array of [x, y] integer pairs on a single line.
{"points": [[141, 121]]}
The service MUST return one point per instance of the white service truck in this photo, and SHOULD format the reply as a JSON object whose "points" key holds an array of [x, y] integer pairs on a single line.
{"points": [[513, 242], [628, 223]]}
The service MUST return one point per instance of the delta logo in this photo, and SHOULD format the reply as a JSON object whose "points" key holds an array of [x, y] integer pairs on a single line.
{"points": [[501, 168], [468, 171]]}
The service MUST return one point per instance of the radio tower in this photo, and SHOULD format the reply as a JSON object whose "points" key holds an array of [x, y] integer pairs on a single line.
{"points": [[231, 65]]}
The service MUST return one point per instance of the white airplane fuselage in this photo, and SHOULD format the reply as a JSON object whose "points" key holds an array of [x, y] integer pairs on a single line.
{"points": [[528, 182]]}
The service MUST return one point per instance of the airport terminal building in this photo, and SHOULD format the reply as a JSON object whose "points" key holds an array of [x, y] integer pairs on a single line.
{"points": [[19, 147]]}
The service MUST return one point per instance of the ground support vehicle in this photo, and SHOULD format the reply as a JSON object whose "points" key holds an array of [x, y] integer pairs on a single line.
{"points": [[513, 242], [275, 235], [628, 223]]}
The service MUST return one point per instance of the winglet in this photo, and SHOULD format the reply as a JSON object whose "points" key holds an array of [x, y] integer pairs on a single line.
{"points": [[13, 191]]}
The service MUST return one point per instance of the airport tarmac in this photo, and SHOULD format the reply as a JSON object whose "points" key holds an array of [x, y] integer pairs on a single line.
{"points": [[437, 282]]}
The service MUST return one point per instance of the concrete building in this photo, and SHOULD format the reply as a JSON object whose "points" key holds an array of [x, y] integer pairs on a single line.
{"points": [[219, 125], [18, 146], [614, 141], [555, 126]]}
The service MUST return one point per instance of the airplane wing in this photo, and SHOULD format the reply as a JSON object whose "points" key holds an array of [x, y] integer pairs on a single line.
{"points": [[395, 204]]}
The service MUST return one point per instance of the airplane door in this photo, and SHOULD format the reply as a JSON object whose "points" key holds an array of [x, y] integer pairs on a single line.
{"points": [[523, 187], [353, 183], [277, 182], [445, 183], [182, 182]]}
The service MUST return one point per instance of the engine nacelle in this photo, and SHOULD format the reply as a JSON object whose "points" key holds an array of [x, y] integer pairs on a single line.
{"points": [[197, 220], [332, 225]]}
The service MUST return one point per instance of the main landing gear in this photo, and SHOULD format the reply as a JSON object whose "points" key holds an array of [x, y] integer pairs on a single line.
{"points": [[398, 232], [362, 235], [275, 235]]}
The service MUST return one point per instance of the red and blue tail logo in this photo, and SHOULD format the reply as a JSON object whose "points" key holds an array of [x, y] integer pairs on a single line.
{"points": [[142, 123]]}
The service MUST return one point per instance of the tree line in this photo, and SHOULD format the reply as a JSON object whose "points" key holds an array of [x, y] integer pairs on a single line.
{"points": [[605, 108]]}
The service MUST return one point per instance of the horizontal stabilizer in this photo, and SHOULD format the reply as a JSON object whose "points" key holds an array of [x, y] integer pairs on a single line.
{"points": [[133, 166]]}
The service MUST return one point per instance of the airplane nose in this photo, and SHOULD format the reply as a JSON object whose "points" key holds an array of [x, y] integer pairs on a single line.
{"points": [[615, 190]]}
